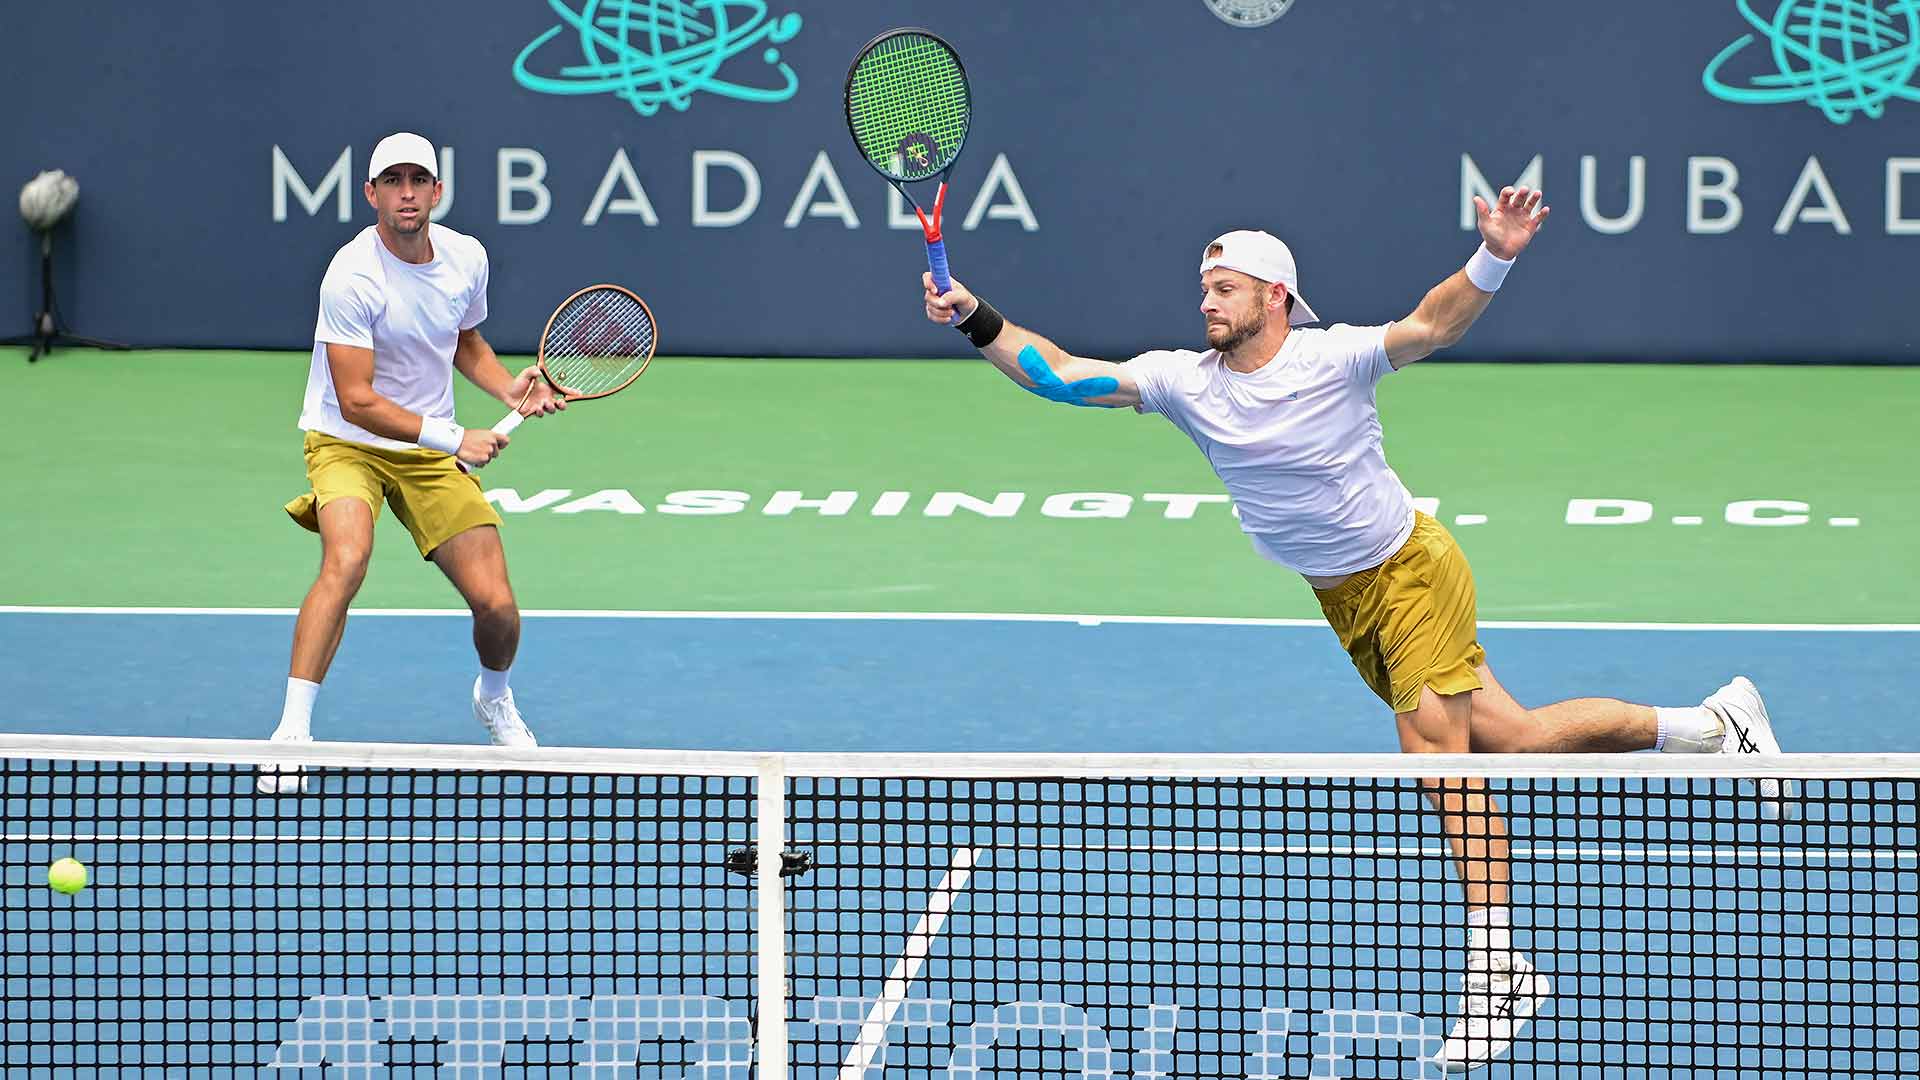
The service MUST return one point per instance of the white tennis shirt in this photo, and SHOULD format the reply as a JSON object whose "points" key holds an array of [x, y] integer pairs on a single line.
{"points": [[409, 315], [1297, 443]]}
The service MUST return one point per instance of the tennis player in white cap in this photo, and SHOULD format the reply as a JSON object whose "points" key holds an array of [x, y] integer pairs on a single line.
{"points": [[400, 312], [1286, 416]]}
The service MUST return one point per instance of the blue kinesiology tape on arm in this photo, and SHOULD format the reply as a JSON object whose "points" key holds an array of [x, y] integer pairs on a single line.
{"points": [[1053, 388]]}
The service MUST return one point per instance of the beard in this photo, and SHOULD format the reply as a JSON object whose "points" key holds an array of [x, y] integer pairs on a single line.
{"points": [[1237, 334]]}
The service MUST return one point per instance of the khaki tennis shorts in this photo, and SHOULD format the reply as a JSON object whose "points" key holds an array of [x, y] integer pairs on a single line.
{"points": [[428, 492], [1409, 622]]}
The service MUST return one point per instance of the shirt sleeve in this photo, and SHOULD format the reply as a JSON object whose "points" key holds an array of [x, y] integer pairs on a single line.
{"points": [[477, 307], [349, 304], [1362, 350], [1151, 373]]}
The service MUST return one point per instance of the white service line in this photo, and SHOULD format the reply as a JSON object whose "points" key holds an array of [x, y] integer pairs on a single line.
{"points": [[1518, 849], [976, 616], [873, 1030]]}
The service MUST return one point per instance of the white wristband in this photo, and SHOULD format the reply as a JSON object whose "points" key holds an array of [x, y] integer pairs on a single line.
{"points": [[1487, 270], [441, 435]]}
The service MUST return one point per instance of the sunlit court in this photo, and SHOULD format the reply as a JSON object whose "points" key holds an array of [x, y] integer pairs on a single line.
{"points": [[736, 540]]}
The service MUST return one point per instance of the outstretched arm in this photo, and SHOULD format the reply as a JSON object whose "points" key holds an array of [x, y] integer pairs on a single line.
{"points": [[1031, 361], [1450, 307]]}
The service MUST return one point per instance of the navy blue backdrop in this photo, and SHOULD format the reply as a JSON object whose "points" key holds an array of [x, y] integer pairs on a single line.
{"points": [[1712, 199]]}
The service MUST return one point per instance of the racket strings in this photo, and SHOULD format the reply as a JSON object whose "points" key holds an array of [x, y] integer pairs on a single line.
{"points": [[908, 106], [599, 342]]}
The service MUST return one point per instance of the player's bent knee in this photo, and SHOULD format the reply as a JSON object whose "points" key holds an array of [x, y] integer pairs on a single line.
{"points": [[345, 563], [1525, 737], [497, 609], [1505, 727]]}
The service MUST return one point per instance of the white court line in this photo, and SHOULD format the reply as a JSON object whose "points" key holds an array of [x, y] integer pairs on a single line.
{"points": [[1519, 849], [943, 892], [294, 838], [873, 1030], [975, 616]]}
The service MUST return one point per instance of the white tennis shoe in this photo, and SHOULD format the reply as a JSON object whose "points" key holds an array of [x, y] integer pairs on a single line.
{"points": [[501, 719], [284, 779], [1495, 1007], [1749, 731]]}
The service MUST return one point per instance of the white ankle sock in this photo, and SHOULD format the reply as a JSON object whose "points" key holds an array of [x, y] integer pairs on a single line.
{"points": [[1489, 938], [493, 684], [296, 715], [1692, 730]]}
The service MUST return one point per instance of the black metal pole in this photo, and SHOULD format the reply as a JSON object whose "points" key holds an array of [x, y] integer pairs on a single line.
{"points": [[46, 323]]}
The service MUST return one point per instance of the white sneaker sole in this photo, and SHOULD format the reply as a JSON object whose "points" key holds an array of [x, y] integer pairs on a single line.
{"points": [[517, 738], [1483, 1052], [282, 780]]}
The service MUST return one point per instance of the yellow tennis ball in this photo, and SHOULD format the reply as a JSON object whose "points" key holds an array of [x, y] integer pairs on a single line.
{"points": [[67, 876]]}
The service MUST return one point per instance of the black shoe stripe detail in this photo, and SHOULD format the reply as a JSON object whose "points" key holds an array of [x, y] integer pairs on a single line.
{"points": [[1504, 1010]]}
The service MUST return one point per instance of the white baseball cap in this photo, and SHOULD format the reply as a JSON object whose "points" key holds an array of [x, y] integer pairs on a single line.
{"points": [[403, 148], [1261, 255]]}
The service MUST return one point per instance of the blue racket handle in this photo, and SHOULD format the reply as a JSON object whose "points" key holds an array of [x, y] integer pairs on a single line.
{"points": [[937, 262]]}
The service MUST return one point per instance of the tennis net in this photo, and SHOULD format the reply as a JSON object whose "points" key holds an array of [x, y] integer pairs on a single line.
{"points": [[470, 912]]}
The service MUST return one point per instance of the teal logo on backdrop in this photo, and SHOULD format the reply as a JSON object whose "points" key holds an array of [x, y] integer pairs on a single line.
{"points": [[653, 53], [1248, 14], [1843, 57]]}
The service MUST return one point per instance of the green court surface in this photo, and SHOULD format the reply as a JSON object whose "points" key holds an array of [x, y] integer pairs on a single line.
{"points": [[156, 479]]}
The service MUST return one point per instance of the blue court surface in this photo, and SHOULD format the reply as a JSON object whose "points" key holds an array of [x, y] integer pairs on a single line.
{"points": [[397, 922], [744, 683]]}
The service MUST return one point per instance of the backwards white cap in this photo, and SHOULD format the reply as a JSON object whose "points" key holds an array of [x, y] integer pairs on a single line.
{"points": [[403, 148], [1261, 255]]}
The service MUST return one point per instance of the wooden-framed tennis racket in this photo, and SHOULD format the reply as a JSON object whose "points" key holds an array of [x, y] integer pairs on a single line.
{"points": [[908, 107], [596, 343]]}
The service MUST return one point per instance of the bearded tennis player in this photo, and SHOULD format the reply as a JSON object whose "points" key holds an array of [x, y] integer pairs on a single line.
{"points": [[1286, 416]]}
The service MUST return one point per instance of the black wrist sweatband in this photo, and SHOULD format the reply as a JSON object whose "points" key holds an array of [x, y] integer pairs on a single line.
{"points": [[983, 325]]}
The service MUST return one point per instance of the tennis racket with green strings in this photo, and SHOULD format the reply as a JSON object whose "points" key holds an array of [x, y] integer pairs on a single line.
{"points": [[597, 342], [908, 106]]}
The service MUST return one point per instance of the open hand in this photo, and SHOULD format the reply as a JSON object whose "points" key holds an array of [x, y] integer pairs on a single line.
{"points": [[1508, 226]]}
